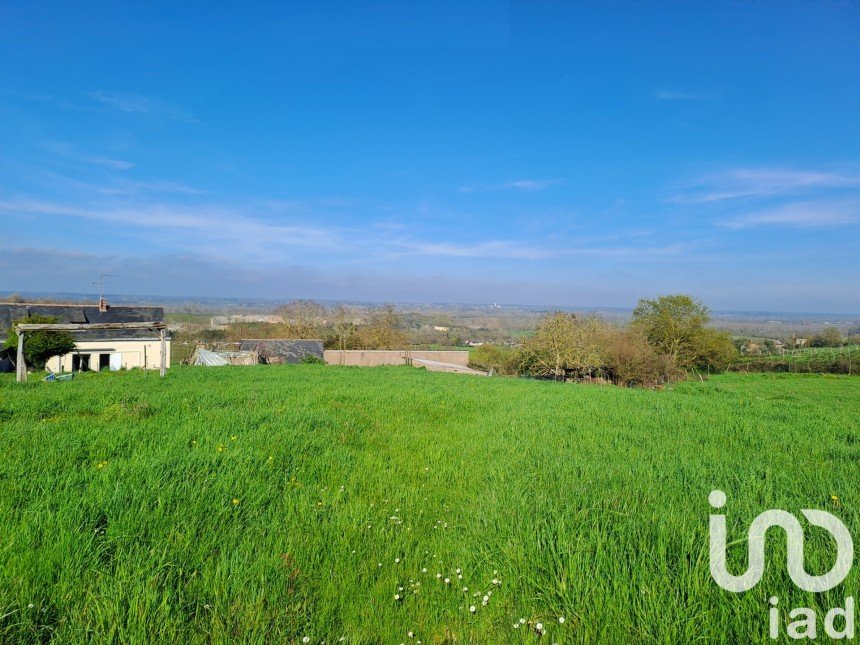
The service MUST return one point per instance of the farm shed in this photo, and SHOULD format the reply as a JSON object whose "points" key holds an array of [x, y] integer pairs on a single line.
{"points": [[274, 351], [97, 349]]}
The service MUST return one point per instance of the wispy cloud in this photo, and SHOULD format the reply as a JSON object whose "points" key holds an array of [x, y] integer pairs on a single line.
{"points": [[68, 151], [524, 185], [675, 95], [512, 250], [137, 104], [134, 187], [762, 182], [810, 214], [198, 227]]}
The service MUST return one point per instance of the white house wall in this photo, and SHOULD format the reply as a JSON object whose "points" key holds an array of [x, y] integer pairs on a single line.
{"points": [[124, 354]]}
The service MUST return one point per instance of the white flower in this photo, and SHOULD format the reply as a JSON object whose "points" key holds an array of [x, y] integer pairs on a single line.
{"points": [[486, 598], [30, 606], [539, 628], [458, 571], [397, 596], [410, 634], [516, 625], [306, 639], [522, 621], [396, 560], [438, 576], [447, 581], [473, 609], [465, 589], [424, 570], [561, 620]]}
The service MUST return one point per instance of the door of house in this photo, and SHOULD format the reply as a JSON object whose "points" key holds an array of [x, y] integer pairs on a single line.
{"points": [[115, 361]]}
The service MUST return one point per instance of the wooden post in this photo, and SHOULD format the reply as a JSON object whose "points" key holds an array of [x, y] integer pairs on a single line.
{"points": [[161, 337], [20, 365]]}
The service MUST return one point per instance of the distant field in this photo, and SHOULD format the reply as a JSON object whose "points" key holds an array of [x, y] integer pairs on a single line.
{"points": [[270, 504], [841, 360]]}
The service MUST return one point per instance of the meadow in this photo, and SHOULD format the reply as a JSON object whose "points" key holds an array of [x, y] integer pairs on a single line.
{"points": [[392, 505]]}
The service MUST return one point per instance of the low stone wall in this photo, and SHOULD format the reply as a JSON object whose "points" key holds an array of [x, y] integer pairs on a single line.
{"points": [[375, 357]]}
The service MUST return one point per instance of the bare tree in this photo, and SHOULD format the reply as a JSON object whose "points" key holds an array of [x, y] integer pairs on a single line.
{"points": [[302, 318], [383, 329]]}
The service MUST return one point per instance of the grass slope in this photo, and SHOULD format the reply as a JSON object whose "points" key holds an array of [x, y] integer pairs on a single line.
{"points": [[270, 504]]}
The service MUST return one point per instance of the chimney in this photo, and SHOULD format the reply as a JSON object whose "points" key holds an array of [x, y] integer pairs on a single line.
{"points": [[103, 305]]}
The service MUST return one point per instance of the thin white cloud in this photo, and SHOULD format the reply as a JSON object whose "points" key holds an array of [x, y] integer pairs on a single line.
{"points": [[762, 182], [68, 151], [194, 227], [134, 187], [675, 95], [810, 214], [137, 104], [524, 185], [511, 250]]}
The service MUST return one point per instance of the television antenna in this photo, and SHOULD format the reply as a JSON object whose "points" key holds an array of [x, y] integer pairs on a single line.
{"points": [[101, 282]]}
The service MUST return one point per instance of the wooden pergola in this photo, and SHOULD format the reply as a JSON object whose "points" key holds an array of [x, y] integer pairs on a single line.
{"points": [[23, 328]]}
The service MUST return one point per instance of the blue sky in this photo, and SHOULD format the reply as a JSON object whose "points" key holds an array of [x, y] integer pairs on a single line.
{"points": [[540, 152]]}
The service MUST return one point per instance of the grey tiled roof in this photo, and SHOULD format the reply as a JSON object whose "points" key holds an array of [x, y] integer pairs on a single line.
{"points": [[13, 312]]}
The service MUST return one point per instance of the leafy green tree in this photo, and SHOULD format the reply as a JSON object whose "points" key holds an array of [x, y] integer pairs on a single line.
{"points": [[675, 325], [829, 337], [564, 342], [39, 346]]}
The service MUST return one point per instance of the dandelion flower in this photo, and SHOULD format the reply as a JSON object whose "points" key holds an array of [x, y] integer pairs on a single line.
{"points": [[233, 438], [235, 501], [835, 498]]}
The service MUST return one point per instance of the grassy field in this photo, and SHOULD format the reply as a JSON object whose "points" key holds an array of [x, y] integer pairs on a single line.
{"points": [[274, 504]]}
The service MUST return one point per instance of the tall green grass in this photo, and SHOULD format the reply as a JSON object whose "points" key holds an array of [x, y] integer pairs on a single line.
{"points": [[273, 504]]}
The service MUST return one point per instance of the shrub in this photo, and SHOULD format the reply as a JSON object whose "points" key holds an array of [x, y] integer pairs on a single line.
{"points": [[39, 346], [631, 361], [501, 360]]}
